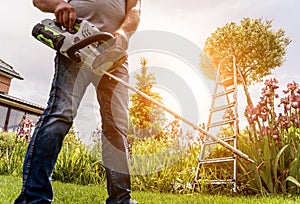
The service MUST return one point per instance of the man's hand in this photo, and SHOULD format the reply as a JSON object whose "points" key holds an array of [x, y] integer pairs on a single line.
{"points": [[64, 12], [121, 39], [65, 15]]}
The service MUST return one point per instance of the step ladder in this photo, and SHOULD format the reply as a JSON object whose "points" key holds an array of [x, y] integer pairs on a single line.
{"points": [[227, 115]]}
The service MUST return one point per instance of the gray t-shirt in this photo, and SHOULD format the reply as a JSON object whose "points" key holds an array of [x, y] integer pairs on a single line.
{"points": [[107, 15]]}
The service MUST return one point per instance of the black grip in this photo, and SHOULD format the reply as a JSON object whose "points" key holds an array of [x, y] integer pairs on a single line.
{"points": [[85, 42], [73, 31], [47, 36]]}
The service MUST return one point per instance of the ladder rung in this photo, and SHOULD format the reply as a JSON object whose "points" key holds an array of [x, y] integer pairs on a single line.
{"points": [[215, 182], [220, 181], [227, 81], [224, 93], [223, 181], [217, 160], [227, 139], [230, 105], [225, 122]]}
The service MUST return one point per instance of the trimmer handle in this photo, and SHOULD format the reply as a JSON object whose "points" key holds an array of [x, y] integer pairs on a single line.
{"points": [[99, 37]]}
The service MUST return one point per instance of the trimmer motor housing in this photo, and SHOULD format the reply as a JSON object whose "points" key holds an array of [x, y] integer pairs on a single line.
{"points": [[85, 44]]}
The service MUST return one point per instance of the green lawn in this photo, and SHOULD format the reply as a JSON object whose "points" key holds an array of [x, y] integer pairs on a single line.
{"points": [[70, 193]]}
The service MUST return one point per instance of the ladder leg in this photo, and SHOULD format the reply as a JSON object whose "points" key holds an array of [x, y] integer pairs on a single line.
{"points": [[231, 100], [200, 157]]}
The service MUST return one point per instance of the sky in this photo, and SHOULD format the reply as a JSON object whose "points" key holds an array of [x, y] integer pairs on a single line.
{"points": [[193, 21]]}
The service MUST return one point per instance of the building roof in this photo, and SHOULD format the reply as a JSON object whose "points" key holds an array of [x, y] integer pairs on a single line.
{"points": [[17, 103], [8, 70]]}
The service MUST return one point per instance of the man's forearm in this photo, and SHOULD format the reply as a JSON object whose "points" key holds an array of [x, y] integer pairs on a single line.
{"points": [[47, 5], [131, 20]]}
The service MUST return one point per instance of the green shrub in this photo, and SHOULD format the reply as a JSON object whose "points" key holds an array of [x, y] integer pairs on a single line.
{"points": [[75, 164], [12, 153], [7, 140]]}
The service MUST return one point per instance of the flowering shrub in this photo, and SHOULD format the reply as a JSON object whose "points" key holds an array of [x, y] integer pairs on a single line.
{"points": [[275, 142], [264, 114], [25, 129]]}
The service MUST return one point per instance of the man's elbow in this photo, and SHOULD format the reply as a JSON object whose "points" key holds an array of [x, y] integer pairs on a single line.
{"points": [[137, 11], [43, 5], [36, 3], [136, 15]]}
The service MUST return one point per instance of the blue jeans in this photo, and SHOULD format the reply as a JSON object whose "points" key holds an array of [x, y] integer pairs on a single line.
{"points": [[68, 87]]}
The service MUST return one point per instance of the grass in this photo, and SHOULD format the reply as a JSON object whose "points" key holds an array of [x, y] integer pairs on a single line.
{"points": [[70, 193]]}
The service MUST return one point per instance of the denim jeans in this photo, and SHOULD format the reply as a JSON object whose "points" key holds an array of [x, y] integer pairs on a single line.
{"points": [[68, 87]]}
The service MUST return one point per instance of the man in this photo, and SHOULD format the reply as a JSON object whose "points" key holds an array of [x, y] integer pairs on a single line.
{"points": [[121, 18]]}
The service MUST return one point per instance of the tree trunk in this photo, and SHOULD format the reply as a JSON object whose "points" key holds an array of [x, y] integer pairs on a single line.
{"points": [[249, 103], [248, 97]]}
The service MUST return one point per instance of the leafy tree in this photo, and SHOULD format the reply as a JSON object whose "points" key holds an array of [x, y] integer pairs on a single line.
{"points": [[256, 47], [146, 119]]}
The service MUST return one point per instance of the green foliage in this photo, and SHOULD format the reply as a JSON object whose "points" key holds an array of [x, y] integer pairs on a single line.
{"points": [[257, 48], [274, 168]]}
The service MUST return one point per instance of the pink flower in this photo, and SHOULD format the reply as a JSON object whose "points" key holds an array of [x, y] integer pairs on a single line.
{"points": [[254, 117], [285, 91], [264, 117], [276, 137], [296, 123], [292, 86], [295, 104]]}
